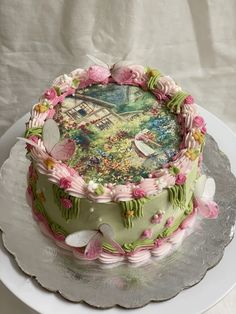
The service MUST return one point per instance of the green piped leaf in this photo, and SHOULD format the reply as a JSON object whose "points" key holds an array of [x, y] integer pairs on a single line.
{"points": [[174, 170], [67, 213], [58, 91], [33, 131], [58, 229], [99, 190], [174, 105], [177, 195], [154, 76], [75, 83], [129, 247], [132, 209]]}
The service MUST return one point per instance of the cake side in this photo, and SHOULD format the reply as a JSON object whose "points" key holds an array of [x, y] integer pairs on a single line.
{"points": [[159, 217]]}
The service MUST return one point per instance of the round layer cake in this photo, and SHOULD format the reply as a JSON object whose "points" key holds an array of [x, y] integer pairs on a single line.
{"points": [[115, 154]]}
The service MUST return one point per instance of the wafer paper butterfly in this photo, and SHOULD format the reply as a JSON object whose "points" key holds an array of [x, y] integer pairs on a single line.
{"points": [[121, 71], [92, 240], [56, 148], [204, 193]]}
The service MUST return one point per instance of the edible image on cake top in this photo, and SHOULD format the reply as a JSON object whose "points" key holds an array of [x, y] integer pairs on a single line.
{"points": [[121, 132]]}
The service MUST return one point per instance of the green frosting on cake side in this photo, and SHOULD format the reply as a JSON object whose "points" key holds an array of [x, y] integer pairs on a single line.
{"points": [[88, 215], [131, 210], [68, 205], [177, 195]]}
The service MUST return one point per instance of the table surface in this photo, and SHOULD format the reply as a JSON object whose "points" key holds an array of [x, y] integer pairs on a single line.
{"points": [[9, 303]]}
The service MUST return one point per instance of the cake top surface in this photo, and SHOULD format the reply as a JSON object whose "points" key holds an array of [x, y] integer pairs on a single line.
{"points": [[122, 133], [115, 133]]}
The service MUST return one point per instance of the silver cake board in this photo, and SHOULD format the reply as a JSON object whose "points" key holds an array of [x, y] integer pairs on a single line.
{"points": [[125, 285]]}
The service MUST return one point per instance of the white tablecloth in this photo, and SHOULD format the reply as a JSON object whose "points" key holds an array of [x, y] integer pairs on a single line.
{"points": [[193, 41]]}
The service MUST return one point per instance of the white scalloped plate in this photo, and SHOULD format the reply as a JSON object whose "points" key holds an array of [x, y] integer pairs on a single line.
{"points": [[216, 284]]}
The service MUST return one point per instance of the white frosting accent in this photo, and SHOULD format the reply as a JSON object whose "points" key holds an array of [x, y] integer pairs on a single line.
{"points": [[168, 86], [107, 258], [177, 237], [139, 256], [122, 193], [149, 186], [63, 82], [162, 250], [80, 74], [189, 221]]}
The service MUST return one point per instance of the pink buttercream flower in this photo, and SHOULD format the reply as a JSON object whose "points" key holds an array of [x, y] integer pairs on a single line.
{"points": [[66, 203], [98, 73], [147, 234], [198, 122], [65, 183], [169, 221], [158, 242], [203, 130], [50, 94], [189, 100], [180, 179], [128, 74], [138, 192]]}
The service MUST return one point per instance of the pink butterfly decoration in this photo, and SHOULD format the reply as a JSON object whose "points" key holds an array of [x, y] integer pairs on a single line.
{"points": [[59, 150], [204, 193], [92, 240]]}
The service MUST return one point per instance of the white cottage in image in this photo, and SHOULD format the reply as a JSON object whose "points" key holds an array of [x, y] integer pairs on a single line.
{"points": [[82, 108]]}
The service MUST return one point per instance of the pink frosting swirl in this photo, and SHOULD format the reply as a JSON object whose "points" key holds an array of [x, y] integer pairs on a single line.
{"points": [[66, 203], [167, 86], [147, 234], [65, 182], [128, 74], [122, 193], [138, 192], [189, 100], [160, 95], [149, 186], [180, 179], [50, 94], [198, 121], [204, 130], [169, 221]]}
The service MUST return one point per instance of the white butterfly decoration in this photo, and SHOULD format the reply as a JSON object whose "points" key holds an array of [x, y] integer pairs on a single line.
{"points": [[93, 240], [98, 61], [204, 193], [59, 150]]}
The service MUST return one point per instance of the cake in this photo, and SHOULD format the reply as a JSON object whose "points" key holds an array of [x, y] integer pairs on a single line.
{"points": [[116, 155]]}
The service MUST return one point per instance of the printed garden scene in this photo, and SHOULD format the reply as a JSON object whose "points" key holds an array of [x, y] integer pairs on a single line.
{"points": [[122, 133]]}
